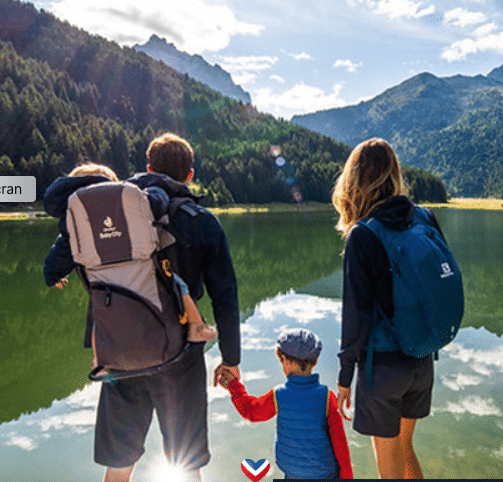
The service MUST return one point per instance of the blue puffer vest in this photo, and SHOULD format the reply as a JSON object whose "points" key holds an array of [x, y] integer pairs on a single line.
{"points": [[303, 448]]}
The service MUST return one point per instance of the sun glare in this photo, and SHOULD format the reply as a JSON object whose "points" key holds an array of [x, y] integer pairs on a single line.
{"points": [[170, 473]]}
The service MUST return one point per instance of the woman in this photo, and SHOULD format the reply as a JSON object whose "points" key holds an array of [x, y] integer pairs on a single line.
{"points": [[387, 409]]}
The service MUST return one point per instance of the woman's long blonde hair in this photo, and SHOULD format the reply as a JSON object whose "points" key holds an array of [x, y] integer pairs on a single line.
{"points": [[371, 175]]}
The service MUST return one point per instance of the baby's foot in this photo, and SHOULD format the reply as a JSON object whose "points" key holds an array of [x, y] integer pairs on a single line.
{"points": [[201, 332]]}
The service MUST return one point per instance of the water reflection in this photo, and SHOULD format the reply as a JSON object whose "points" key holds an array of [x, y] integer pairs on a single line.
{"points": [[462, 439], [48, 407]]}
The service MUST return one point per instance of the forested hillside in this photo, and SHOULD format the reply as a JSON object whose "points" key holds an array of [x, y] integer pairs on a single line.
{"points": [[450, 126], [67, 96]]}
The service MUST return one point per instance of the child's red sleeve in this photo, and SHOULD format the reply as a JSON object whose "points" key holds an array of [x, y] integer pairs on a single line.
{"points": [[338, 438], [255, 409]]}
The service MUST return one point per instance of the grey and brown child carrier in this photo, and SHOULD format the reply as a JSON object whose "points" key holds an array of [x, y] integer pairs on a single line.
{"points": [[135, 304]]}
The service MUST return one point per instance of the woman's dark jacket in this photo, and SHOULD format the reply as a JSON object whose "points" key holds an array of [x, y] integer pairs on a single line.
{"points": [[367, 279]]}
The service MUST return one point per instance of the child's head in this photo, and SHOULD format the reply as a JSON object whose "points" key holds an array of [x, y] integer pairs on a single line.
{"points": [[371, 175], [171, 155], [93, 169], [298, 350]]}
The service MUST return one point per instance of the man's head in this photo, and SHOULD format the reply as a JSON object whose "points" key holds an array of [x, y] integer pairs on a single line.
{"points": [[171, 155]]}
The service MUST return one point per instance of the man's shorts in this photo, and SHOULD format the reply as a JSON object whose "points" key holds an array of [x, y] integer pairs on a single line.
{"points": [[178, 394], [400, 388]]}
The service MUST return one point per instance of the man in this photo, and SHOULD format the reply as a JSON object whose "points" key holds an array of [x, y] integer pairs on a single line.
{"points": [[178, 393]]}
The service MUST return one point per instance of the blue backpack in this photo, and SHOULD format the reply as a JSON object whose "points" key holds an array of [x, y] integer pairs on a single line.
{"points": [[427, 291]]}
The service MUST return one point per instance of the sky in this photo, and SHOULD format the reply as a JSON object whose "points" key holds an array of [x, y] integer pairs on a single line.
{"points": [[297, 56]]}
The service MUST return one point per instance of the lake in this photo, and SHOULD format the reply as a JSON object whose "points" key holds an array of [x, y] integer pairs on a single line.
{"points": [[288, 267]]}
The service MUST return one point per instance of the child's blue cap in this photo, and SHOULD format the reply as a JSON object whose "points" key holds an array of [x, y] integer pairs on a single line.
{"points": [[299, 343]]}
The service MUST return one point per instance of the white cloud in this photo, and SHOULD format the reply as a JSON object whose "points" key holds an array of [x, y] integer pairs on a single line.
{"points": [[397, 8], [460, 381], [403, 8], [192, 25], [474, 405], [483, 362], [21, 441], [461, 17], [277, 78], [257, 375], [250, 62], [461, 49], [301, 308], [347, 64], [257, 343], [485, 30], [80, 421], [301, 56], [219, 417], [244, 69]]}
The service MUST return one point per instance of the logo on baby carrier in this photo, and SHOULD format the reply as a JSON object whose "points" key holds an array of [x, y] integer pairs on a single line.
{"points": [[109, 231], [255, 471], [446, 270]]}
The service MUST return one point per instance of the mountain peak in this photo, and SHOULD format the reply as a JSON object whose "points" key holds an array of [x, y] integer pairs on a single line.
{"points": [[496, 74], [195, 66]]}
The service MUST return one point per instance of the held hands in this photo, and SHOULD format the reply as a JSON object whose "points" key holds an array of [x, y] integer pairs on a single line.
{"points": [[225, 374], [344, 398]]}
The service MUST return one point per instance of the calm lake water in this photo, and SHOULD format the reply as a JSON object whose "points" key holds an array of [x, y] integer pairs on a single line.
{"points": [[288, 268]]}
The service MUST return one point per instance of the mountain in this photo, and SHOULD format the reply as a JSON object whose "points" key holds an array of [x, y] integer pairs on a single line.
{"points": [[194, 66], [450, 126], [67, 96]]}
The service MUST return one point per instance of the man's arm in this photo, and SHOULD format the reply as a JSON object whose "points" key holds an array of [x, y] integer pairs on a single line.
{"points": [[220, 282]]}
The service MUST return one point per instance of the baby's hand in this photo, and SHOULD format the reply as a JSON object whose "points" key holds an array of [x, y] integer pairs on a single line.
{"points": [[226, 376], [62, 282]]}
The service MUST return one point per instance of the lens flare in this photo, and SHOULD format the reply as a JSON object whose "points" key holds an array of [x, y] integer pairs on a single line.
{"points": [[275, 151], [280, 161]]}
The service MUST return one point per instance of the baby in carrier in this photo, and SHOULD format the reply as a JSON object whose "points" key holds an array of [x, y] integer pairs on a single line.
{"points": [[59, 262]]}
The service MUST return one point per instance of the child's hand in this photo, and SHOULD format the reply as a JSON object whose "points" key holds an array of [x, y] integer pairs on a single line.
{"points": [[226, 376], [62, 282]]}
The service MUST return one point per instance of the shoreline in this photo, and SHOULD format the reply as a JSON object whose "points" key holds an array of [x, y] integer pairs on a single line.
{"points": [[454, 203], [486, 204]]}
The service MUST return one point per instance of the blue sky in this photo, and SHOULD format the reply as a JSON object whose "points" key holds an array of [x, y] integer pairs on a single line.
{"points": [[296, 57]]}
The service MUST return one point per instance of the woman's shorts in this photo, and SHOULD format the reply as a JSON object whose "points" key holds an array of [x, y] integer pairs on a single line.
{"points": [[177, 394], [400, 388]]}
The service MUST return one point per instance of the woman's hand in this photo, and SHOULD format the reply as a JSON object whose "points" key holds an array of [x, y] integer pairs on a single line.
{"points": [[344, 398]]}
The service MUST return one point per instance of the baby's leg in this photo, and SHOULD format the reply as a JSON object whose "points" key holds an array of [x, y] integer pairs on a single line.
{"points": [[198, 329]]}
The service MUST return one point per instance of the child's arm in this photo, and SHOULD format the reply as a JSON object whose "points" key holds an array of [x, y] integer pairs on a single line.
{"points": [[254, 409], [338, 438]]}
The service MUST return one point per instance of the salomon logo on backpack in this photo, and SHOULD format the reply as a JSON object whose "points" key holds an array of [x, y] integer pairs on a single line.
{"points": [[135, 309], [427, 290]]}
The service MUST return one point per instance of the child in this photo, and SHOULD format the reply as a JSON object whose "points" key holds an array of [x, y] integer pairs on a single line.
{"points": [[59, 261], [310, 440]]}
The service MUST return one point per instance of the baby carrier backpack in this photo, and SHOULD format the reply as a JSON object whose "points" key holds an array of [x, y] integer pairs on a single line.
{"points": [[427, 291], [135, 304]]}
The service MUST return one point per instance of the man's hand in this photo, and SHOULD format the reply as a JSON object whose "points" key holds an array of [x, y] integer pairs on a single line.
{"points": [[226, 376], [344, 398], [219, 371]]}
